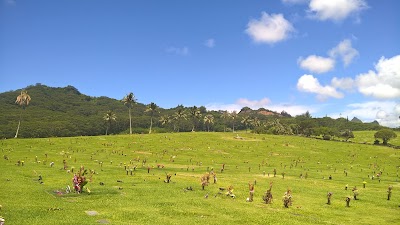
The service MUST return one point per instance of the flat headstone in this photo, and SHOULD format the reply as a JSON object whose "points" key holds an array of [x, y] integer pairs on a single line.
{"points": [[92, 213], [103, 221]]}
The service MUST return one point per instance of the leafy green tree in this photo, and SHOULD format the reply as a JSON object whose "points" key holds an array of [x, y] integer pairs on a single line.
{"points": [[195, 114], [321, 131], [294, 127], [347, 134], [109, 117], [152, 108], [23, 100], [306, 126], [129, 100], [208, 120], [307, 115], [385, 135]]}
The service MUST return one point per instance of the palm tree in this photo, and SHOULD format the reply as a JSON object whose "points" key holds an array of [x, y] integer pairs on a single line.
{"points": [[225, 115], [165, 119], [208, 119], [180, 115], [246, 121], [195, 114], [152, 108], [256, 122], [109, 117], [233, 117], [279, 128], [22, 100], [128, 101]]}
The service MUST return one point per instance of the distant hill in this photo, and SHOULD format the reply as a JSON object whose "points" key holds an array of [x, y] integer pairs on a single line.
{"points": [[356, 120], [61, 112], [64, 111], [263, 112]]}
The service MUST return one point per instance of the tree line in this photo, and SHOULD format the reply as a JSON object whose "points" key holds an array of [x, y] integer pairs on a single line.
{"points": [[42, 111]]}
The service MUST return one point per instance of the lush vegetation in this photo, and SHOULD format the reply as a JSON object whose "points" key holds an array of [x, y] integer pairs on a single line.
{"points": [[127, 179], [61, 112]]}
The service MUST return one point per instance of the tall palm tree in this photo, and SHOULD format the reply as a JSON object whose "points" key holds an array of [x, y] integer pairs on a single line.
{"points": [[195, 115], [180, 115], [129, 100], [152, 108], [233, 117], [109, 117], [209, 119], [225, 116], [22, 100]]}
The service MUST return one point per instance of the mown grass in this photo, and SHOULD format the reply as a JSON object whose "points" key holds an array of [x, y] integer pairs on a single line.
{"points": [[144, 198], [368, 137]]}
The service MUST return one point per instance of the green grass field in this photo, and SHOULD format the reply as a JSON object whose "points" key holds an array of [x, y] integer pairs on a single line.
{"points": [[144, 198]]}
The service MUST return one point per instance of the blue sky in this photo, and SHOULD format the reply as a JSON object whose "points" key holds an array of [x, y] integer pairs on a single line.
{"points": [[335, 58]]}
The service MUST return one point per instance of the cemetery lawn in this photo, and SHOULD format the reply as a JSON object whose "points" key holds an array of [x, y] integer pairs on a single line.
{"points": [[144, 197]]}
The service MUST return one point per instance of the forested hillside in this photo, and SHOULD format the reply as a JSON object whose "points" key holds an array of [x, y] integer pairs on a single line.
{"points": [[67, 112]]}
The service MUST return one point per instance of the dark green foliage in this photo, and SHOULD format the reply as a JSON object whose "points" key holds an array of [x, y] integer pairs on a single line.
{"points": [[62, 112], [67, 112]]}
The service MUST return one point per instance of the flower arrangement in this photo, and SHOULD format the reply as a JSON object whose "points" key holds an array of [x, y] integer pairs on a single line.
{"points": [[79, 179]]}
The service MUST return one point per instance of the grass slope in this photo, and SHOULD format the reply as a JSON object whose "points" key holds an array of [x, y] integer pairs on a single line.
{"points": [[144, 198]]}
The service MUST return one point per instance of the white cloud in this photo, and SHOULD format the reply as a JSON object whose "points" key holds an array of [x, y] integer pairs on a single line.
{"points": [[397, 109], [262, 103], [385, 112], [308, 83], [269, 28], [345, 51], [345, 83], [381, 114], [335, 10], [253, 103], [293, 110], [178, 51], [317, 64], [383, 83], [210, 43]]}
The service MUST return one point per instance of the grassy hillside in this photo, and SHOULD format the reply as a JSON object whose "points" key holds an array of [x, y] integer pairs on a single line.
{"points": [[368, 137], [65, 112], [144, 198]]}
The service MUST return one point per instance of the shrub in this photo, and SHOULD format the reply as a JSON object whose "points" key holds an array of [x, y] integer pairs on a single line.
{"points": [[327, 137]]}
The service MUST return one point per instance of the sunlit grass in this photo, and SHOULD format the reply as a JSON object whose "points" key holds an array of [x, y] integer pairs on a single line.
{"points": [[144, 198]]}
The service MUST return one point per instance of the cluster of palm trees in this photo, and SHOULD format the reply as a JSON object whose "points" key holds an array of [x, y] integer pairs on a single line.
{"points": [[181, 115], [194, 115]]}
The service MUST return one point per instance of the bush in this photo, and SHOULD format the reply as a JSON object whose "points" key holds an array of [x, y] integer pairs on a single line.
{"points": [[327, 137]]}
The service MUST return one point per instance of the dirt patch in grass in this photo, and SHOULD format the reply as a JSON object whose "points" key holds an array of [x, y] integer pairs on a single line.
{"points": [[103, 221], [92, 213], [141, 152]]}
